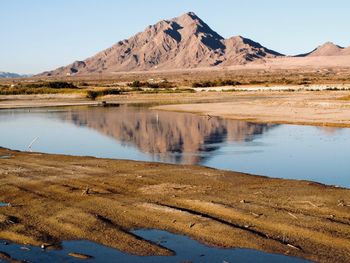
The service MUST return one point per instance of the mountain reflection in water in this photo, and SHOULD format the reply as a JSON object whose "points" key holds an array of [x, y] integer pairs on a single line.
{"points": [[174, 137], [136, 133]]}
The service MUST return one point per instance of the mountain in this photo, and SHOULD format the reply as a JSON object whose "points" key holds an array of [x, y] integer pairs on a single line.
{"points": [[12, 75], [240, 50], [327, 49], [180, 43]]}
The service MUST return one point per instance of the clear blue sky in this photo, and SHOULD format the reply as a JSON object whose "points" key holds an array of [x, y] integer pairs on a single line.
{"points": [[39, 35]]}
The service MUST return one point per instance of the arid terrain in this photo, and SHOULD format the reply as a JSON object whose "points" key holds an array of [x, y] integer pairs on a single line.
{"points": [[175, 65], [54, 198]]}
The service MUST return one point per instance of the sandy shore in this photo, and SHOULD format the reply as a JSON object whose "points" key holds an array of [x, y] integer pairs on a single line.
{"points": [[53, 100], [323, 108], [43, 100], [56, 197]]}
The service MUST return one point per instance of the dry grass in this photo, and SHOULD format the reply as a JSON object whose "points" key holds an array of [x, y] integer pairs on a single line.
{"points": [[23, 88], [188, 77], [347, 97]]}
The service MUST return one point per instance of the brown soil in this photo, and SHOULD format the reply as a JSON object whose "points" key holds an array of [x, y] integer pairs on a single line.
{"points": [[56, 197]]}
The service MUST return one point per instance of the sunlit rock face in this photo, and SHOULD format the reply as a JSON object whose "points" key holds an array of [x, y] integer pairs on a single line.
{"points": [[177, 137], [180, 43]]}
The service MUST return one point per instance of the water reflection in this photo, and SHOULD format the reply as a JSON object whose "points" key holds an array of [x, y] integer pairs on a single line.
{"points": [[175, 137], [136, 133]]}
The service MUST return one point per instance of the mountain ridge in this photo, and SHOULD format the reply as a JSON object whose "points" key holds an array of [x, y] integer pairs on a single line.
{"points": [[179, 43], [184, 42]]}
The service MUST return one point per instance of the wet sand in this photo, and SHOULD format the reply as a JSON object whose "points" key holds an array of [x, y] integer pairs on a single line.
{"points": [[57, 197]]}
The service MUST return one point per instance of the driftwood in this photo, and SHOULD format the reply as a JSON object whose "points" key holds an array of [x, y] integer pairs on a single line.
{"points": [[294, 216], [290, 245], [86, 191]]}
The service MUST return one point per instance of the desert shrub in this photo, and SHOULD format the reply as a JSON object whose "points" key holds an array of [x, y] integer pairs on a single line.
{"points": [[135, 84], [188, 90], [38, 88], [257, 82], [155, 85], [82, 84], [289, 90], [230, 90], [93, 94], [60, 85], [30, 91], [49, 85], [215, 83], [334, 88], [160, 85], [155, 91]]}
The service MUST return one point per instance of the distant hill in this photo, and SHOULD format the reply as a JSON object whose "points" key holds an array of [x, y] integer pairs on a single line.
{"points": [[327, 49], [180, 43], [12, 75]]}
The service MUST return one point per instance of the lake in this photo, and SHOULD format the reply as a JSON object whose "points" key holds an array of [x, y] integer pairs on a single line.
{"points": [[134, 132]]}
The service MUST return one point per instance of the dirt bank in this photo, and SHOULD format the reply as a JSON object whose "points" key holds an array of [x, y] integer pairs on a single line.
{"points": [[324, 108], [56, 197]]}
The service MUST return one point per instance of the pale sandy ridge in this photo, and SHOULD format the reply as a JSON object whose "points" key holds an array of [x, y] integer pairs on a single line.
{"points": [[320, 108]]}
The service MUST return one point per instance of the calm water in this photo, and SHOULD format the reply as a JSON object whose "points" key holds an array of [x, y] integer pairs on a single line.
{"points": [[187, 250], [129, 132]]}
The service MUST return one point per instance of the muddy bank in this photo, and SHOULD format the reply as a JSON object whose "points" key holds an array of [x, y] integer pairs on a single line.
{"points": [[56, 197]]}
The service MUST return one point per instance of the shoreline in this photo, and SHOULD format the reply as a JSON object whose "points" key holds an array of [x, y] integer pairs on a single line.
{"points": [[59, 197], [322, 108], [295, 109], [176, 108]]}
